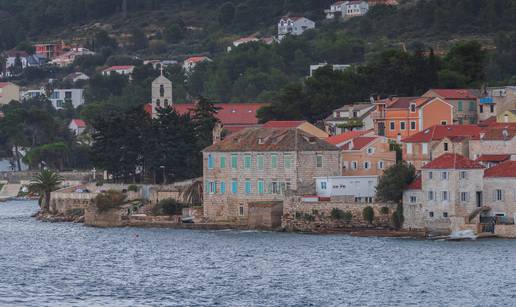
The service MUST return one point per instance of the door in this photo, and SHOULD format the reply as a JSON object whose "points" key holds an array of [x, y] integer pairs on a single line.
{"points": [[479, 199]]}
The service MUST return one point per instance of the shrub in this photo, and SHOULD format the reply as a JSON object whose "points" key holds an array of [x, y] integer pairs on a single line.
{"points": [[337, 214], [169, 206], [397, 217], [299, 215], [315, 211], [384, 210], [348, 216], [109, 200], [99, 182], [132, 188], [308, 217], [368, 214]]}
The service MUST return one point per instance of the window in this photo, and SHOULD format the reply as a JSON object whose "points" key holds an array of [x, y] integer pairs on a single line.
{"points": [[445, 214], [444, 195], [409, 148], [158, 102], [259, 162], [431, 214], [222, 161], [463, 175], [261, 186], [413, 199], [491, 108], [212, 187], [459, 106], [288, 160], [498, 195], [60, 103], [402, 125], [412, 125], [424, 148], [234, 161], [445, 146], [274, 161], [247, 186], [319, 160], [165, 104], [392, 125], [481, 109], [247, 161], [472, 105], [380, 165], [241, 210], [367, 165], [444, 175], [222, 187], [370, 150], [464, 197], [68, 95], [210, 161], [444, 123], [354, 164], [323, 185], [355, 114], [161, 90], [234, 186], [430, 175], [430, 195], [55, 95], [412, 107]]}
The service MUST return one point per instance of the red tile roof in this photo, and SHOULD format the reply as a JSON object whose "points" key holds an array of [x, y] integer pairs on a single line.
{"points": [[283, 123], [416, 184], [499, 132], [359, 142], [79, 123], [439, 132], [4, 84], [346, 136], [493, 158], [119, 67], [197, 59], [454, 93], [452, 161], [504, 169]]}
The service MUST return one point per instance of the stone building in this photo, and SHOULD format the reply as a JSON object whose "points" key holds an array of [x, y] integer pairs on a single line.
{"points": [[499, 139], [464, 102], [256, 166], [366, 156], [350, 117], [161, 94], [496, 101], [9, 92], [500, 191], [450, 191]]}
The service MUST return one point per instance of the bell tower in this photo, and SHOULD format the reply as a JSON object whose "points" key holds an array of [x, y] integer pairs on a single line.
{"points": [[161, 93]]}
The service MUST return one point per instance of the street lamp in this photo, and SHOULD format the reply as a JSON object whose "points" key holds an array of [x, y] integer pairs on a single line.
{"points": [[164, 177]]}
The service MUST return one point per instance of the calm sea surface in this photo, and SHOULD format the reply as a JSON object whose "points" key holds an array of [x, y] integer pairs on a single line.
{"points": [[44, 264]]}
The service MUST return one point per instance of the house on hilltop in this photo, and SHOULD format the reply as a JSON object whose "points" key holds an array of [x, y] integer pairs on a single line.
{"points": [[294, 25]]}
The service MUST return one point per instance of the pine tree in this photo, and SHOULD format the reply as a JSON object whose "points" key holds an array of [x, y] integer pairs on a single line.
{"points": [[204, 119]]}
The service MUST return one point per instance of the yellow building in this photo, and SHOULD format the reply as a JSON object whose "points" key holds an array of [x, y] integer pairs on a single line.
{"points": [[508, 116], [9, 92]]}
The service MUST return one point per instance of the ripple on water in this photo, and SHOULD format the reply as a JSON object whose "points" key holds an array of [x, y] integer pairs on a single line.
{"points": [[45, 264]]}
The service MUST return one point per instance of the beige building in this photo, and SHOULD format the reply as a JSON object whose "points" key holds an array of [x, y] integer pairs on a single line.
{"points": [[495, 140], [450, 191], [500, 192], [350, 117], [9, 92], [366, 156], [161, 94], [302, 125], [256, 166], [495, 101], [464, 102]]}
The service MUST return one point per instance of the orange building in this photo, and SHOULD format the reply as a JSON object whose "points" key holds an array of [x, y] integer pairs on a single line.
{"points": [[366, 156], [401, 117]]}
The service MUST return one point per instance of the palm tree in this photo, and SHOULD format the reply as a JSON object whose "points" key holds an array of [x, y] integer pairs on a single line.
{"points": [[45, 183], [192, 194]]}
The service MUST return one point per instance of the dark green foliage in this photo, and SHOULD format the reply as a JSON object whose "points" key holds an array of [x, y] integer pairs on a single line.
{"points": [[169, 206], [308, 217], [132, 188], [338, 214], [394, 181], [44, 184], [204, 120], [384, 210], [397, 217], [108, 200], [226, 14], [368, 214]]}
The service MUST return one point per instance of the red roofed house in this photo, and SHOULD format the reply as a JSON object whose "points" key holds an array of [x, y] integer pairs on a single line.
{"points": [[121, 70], [190, 63], [9, 92], [401, 117], [451, 190], [343, 138], [498, 139], [424, 146], [242, 41], [500, 195], [464, 102], [299, 124], [366, 156], [77, 126]]}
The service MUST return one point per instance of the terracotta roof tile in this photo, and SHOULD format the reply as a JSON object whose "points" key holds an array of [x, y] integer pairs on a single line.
{"points": [[283, 123], [360, 142], [79, 123], [493, 158], [439, 132], [455, 93], [346, 136], [452, 161], [504, 169], [415, 185]]}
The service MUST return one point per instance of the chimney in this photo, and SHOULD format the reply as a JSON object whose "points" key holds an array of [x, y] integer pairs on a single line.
{"points": [[217, 132]]}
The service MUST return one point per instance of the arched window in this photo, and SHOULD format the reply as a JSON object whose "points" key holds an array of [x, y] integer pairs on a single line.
{"points": [[162, 90], [165, 104], [158, 103]]}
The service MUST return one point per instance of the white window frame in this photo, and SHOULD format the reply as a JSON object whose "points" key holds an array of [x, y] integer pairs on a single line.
{"points": [[445, 196], [463, 175], [445, 176], [464, 197], [413, 199], [409, 149], [367, 165], [431, 195], [392, 125], [430, 175], [424, 148], [415, 125], [354, 164], [403, 125], [380, 164]]}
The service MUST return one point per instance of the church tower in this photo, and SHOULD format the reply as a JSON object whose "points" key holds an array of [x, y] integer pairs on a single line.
{"points": [[161, 93]]}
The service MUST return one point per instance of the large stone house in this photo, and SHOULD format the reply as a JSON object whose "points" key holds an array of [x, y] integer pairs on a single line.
{"points": [[464, 102], [347, 9], [293, 26], [9, 92], [496, 101], [401, 117], [450, 190], [59, 97], [303, 125], [350, 117], [498, 139], [256, 166], [500, 191]]}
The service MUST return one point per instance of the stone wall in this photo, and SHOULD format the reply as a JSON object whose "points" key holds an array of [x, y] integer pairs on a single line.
{"points": [[111, 218], [316, 216], [505, 231], [265, 215]]}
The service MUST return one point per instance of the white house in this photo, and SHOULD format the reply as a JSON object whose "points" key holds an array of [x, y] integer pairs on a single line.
{"points": [[335, 10], [294, 26], [355, 8], [121, 70], [242, 41], [26, 60], [59, 96], [362, 188], [77, 126], [68, 57], [76, 76], [190, 63], [335, 67]]}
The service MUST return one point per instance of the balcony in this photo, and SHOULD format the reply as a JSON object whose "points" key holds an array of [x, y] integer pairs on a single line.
{"points": [[378, 115]]}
